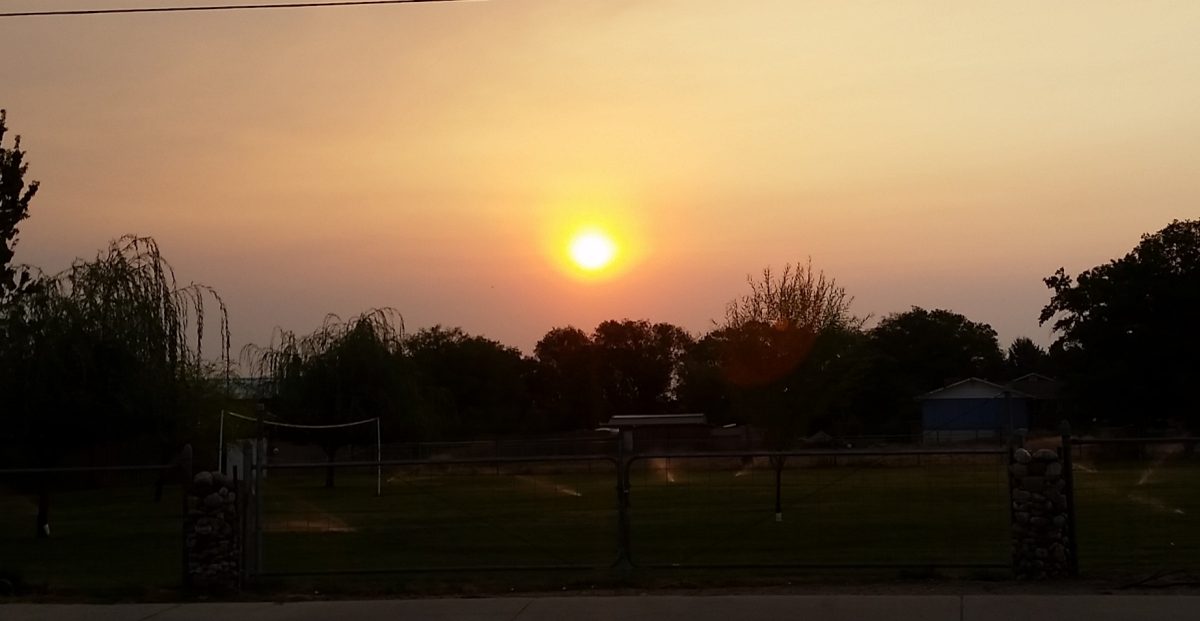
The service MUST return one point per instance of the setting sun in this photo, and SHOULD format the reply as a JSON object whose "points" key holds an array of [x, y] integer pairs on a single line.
{"points": [[592, 250]]}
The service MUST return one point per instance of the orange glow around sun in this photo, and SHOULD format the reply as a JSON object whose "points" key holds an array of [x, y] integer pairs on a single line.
{"points": [[592, 240]]}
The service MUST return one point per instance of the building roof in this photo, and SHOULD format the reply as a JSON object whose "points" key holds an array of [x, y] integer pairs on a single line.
{"points": [[1038, 385], [975, 388], [625, 421]]}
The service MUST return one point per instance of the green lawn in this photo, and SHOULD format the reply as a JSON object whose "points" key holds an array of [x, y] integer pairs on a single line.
{"points": [[114, 539], [1138, 517], [117, 539]]}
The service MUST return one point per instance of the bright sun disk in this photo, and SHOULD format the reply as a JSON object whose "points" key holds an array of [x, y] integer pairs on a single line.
{"points": [[592, 250]]}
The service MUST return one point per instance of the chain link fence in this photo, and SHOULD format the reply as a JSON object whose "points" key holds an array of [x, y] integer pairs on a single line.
{"points": [[118, 529]]}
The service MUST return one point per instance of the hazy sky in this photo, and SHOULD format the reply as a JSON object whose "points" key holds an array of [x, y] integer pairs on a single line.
{"points": [[431, 157]]}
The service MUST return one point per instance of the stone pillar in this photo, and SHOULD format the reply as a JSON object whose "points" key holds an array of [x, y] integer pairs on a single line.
{"points": [[1040, 533], [213, 540]]}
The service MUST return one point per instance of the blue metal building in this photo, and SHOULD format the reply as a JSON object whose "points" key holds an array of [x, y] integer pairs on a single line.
{"points": [[973, 409]]}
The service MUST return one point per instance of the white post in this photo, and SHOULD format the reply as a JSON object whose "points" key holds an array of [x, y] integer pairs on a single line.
{"points": [[378, 460]]}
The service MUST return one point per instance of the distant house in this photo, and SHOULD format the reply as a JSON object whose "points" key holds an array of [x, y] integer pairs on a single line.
{"points": [[973, 409], [1045, 411]]}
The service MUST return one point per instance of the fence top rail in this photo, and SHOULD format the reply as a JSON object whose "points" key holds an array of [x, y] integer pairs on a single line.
{"points": [[824, 453], [1083, 441], [88, 469], [487, 461]]}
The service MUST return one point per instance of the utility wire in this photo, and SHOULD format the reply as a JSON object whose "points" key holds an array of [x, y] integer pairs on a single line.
{"points": [[214, 7]]}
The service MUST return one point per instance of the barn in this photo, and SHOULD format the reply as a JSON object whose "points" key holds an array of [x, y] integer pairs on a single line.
{"points": [[973, 409]]}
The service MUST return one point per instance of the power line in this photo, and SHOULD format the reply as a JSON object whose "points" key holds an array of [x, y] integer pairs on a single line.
{"points": [[215, 7]]}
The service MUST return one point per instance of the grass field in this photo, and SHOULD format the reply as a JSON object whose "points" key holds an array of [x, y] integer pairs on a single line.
{"points": [[1133, 516]]}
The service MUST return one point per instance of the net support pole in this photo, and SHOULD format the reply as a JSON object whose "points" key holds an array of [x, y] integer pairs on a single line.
{"points": [[378, 460]]}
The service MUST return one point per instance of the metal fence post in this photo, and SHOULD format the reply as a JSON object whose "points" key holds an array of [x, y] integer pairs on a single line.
{"points": [[624, 555], [185, 479], [1069, 475], [249, 523], [258, 504]]}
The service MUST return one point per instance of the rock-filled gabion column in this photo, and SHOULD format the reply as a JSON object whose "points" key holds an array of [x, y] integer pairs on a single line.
{"points": [[212, 534], [1039, 515]]}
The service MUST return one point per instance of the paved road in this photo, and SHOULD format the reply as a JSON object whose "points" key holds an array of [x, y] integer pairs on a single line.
{"points": [[652, 608]]}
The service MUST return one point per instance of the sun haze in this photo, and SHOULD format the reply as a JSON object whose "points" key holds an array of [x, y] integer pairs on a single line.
{"points": [[941, 154], [592, 250]]}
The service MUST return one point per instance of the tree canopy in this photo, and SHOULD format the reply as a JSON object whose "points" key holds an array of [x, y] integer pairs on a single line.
{"points": [[109, 350], [473, 385], [933, 348], [342, 372], [1126, 330], [783, 347], [15, 196]]}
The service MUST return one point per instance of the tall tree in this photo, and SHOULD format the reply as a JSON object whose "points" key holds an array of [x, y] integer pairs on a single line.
{"points": [[1126, 331], [564, 385], [779, 339], [703, 386], [108, 352], [930, 349], [785, 345], [14, 207], [479, 384], [1024, 356], [638, 365]]}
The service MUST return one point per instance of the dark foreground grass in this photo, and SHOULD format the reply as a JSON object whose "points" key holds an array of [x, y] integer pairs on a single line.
{"points": [[113, 539], [894, 519]]}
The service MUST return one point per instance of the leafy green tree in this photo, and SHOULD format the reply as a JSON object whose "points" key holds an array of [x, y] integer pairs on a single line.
{"points": [[14, 207], [342, 372], [1127, 336], [930, 349], [479, 383]]}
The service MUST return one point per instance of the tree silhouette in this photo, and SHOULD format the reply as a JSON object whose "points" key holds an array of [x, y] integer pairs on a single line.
{"points": [[782, 353], [477, 385], [565, 386], [930, 349], [638, 365], [14, 207], [1024, 356], [108, 352], [1127, 332], [342, 372]]}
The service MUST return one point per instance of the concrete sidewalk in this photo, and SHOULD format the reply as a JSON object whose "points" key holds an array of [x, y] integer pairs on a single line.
{"points": [[651, 608]]}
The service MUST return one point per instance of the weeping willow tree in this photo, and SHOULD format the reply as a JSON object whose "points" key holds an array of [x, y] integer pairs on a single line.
{"points": [[108, 356], [344, 371]]}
